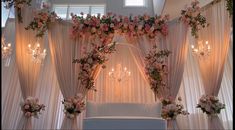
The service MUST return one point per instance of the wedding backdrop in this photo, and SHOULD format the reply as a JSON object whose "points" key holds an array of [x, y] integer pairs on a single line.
{"points": [[64, 72]]}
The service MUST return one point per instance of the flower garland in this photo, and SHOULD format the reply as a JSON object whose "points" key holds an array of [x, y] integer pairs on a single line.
{"points": [[192, 17], [171, 109], [156, 69], [73, 106], [210, 105], [41, 21], [104, 27], [90, 62], [18, 4], [229, 6], [31, 107]]}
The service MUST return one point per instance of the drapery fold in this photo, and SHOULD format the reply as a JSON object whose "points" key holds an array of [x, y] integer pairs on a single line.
{"points": [[28, 71], [63, 50], [176, 44], [212, 67]]}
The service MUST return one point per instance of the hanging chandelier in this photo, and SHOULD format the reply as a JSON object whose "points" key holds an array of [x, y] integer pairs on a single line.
{"points": [[119, 74], [38, 55], [202, 49], [6, 49]]}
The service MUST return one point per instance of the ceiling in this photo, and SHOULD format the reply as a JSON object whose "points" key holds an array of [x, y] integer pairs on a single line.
{"points": [[173, 7]]}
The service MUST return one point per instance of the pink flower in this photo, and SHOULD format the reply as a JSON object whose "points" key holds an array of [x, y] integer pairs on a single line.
{"points": [[164, 29], [26, 107], [147, 27], [28, 114]]}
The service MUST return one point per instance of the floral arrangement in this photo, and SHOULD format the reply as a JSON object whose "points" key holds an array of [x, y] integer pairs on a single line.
{"points": [[192, 17], [31, 107], [18, 4], [229, 6], [91, 61], [210, 105], [104, 27], [73, 106], [156, 69], [171, 109], [41, 21]]}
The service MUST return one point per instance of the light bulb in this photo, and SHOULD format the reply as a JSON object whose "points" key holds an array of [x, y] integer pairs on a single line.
{"points": [[196, 50], [38, 45], [125, 68], [29, 45], [112, 69], [192, 46], [4, 48], [206, 42], [44, 50], [9, 44], [209, 47]]}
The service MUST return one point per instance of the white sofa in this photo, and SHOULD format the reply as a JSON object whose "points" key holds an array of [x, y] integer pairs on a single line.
{"points": [[123, 116]]}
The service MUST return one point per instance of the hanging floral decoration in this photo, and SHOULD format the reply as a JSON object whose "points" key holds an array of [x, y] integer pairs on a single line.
{"points": [[31, 107], [105, 26], [210, 105], [73, 106], [171, 109], [18, 5], [92, 60], [41, 21], [229, 6], [156, 69], [192, 17]]}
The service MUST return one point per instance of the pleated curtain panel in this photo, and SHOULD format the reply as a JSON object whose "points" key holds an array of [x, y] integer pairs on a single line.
{"points": [[57, 77], [212, 68]]}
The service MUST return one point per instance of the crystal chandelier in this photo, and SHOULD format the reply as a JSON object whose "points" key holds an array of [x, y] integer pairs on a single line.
{"points": [[119, 74], [36, 52], [6, 49], [202, 49]]}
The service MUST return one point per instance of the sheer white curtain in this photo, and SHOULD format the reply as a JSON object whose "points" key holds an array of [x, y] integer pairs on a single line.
{"points": [[212, 68], [47, 90], [28, 71], [63, 50], [192, 88]]}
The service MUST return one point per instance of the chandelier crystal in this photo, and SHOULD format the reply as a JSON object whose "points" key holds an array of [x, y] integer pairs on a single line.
{"points": [[6, 49], [38, 55], [119, 74], [202, 49]]}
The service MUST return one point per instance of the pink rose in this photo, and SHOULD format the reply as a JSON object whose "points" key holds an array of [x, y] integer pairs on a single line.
{"points": [[26, 107]]}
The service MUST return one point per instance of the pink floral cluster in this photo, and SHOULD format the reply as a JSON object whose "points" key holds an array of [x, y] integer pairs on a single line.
{"points": [[90, 62], [31, 107], [210, 105], [73, 105], [105, 26], [41, 21], [156, 69], [171, 109], [18, 5], [192, 17]]}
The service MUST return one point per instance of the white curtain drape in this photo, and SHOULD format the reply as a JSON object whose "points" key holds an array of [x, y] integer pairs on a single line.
{"points": [[63, 50], [47, 90], [212, 68], [28, 71]]}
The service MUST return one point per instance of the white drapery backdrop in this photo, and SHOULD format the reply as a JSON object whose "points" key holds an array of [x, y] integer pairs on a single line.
{"points": [[212, 68], [11, 84], [27, 69], [191, 89]]}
